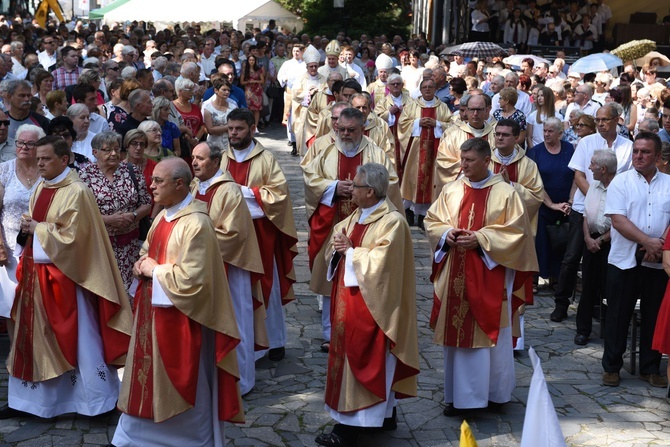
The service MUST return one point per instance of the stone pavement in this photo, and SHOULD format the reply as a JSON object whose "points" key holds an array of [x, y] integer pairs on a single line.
{"points": [[286, 406]]}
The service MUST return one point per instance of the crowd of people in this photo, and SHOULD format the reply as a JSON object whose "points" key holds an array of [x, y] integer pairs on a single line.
{"points": [[146, 227]]}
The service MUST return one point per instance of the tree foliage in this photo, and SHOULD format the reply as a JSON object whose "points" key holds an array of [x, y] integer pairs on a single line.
{"points": [[372, 17]]}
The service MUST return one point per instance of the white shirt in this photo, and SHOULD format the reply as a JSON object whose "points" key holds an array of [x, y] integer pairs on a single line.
{"points": [[594, 208], [204, 185], [46, 60], [360, 76], [207, 65], [581, 159], [646, 205], [590, 108], [248, 194]]}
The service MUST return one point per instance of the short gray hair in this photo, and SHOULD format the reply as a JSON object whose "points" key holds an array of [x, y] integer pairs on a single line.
{"points": [[183, 171], [606, 158], [215, 150], [355, 114], [554, 122], [650, 125], [183, 83], [159, 102], [76, 110], [376, 177], [128, 72], [136, 96], [32, 129], [159, 63], [394, 77], [148, 125], [478, 145], [13, 86], [615, 109], [189, 67], [106, 137], [335, 74]]}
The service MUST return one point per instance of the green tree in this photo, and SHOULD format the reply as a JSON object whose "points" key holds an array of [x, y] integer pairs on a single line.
{"points": [[372, 17]]}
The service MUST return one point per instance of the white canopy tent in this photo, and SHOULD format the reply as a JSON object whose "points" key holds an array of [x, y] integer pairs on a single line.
{"points": [[242, 14]]}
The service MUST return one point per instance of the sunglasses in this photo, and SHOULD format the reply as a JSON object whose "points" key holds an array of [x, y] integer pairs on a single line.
{"points": [[113, 68], [4, 123]]}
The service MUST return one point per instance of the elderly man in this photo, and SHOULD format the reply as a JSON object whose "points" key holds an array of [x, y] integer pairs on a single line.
{"points": [[523, 101], [180, 380], [304, 89], [420, 127], [332, 64], [597, 238], [373, 360], [389, 110], [19, 93], [649, 125], [477, 225], [207, 58], [448, 162], [606, 137], [328, 191], [321, 100], [72, 316], [140, 109], [16, 51], [375, 128], [48, 57], [266, 193], [582, 102], [378, 89], [322, 142], [443, 89], [69, 72], [239, 250], [7, 145], [635, 270]]}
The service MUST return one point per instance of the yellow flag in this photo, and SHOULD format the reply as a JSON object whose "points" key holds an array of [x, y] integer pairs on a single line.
{"points": [[467, 438], [41, 13], [55, 7]]}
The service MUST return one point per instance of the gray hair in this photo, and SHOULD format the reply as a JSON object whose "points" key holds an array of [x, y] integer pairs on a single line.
{"points": [[182, 83], [605, 158], [13, 86], [479, 145], [136, 96], [335, 76], [159, 102], [76, 110], [498, 78], [14, 45], [128, 72], [554, 122], [614, 110], [159, 63], [183, 171], [188, 68], [487, 99], [88, 76], [215, 150], [105, 137], [30, 128], [394, 77], [376, 177], [577, 113], [650, 125], [353, 114], [148, 125]]}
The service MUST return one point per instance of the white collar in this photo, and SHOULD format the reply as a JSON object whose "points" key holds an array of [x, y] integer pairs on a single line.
{"points": [[365, 212], [430, 103], [174, 209], [204, 186], [60, 177], [506, 159], [240, 155], [480, 184]]}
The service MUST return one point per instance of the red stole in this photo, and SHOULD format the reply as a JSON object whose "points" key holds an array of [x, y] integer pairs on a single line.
{"points": [[325, 217], [475, 294], [398, 151], [276, 246], [427, 153], [511, 170], [355, 336], [179, 341], [208, 195]]}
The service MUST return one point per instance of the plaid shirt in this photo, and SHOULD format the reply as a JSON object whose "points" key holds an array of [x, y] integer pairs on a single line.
{"points": [[63, 78]]}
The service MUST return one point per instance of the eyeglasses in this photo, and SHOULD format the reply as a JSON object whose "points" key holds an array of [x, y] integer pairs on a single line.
{"points": [[346, 129], [28, 144], [477, 110], [137, 144], [503, 135], [114, 68], [360, 186], [581, 125], [4, 123], [603, 120], [64, 134], [160, 181], [107, 150], [334, 118]]}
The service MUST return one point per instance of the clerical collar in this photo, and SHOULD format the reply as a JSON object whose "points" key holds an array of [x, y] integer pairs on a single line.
{"points": [[313, 78], [328, 92], [506, 159], [171, 212], [240, 155], [204, 186], [477, 132], [480, 184], [59, 178], [430, 103], [366, 212]]}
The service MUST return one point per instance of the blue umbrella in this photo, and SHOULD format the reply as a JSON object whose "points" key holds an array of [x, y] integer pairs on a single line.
{"points": [[593, 63]]}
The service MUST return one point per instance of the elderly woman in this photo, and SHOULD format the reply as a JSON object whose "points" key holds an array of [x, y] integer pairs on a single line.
{"points": [[552, 157], [602, 83], [507, 110], [571, 133], [62, 127], [154, 148], [190, 112], [18, 179], [135, 144], [170, 132], [80, 117], [216, 113], [121, 203]]}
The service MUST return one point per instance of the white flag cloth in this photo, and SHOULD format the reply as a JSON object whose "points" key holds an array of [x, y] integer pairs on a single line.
{"points": [[8, 288], [540, 425]]}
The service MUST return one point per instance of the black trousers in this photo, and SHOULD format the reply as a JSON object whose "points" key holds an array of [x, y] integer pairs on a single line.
{"points": [[567, 277], [594, 274], [624, 287]]}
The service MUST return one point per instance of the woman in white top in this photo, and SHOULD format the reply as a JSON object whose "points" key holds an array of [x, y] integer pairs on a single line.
{"points": [[412, 73], [602, 82], [80, 117], [215, 113], [545, 109]]}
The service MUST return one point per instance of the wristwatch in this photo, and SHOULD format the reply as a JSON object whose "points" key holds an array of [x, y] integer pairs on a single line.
{"points": [[134, 215]]}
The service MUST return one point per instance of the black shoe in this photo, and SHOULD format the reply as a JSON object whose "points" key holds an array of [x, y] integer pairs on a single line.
{"points": [[390, 423], [9, 413], [559, 314], [450, 411], [581, 340], [277, 354], [294, 152], [495, 407], [409, 215], [288, 143], [420, 223], [341, 436]]}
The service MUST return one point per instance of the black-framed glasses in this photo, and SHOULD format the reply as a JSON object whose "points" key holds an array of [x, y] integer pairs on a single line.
{"points": [[28, 144], [137, 144], [114, 68], [603, 120], [360, 186]]}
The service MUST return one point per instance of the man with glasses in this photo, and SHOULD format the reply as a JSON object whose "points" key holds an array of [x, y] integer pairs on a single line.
{"points": [[227, 68], [389, 109], [420, 127], [328, 190], [582, 102], [111, 72], [477, 108], [7, 147], [607, 137], [375, 128], [70, 335], [48, 57]]}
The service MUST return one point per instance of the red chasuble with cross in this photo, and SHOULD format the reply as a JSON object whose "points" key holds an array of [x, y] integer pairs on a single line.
{"points": [[428, 145]]}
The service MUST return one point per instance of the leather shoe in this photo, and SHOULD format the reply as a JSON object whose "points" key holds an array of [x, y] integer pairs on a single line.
{"points": [[420, 223], [581, 340], [450, 410], [611, 379], [409, 215], [276, 354], [655, 380], [8, 413], [559, 314], [391, 423], [332, 440]]}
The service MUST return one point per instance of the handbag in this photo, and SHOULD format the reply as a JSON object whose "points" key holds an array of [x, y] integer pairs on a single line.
{"points": [[558, 235], [145, 222], [274, 90]]}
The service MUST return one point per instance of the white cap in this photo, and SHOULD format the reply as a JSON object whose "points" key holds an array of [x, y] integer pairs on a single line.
{"points": [[311, 55], [383, 62]]}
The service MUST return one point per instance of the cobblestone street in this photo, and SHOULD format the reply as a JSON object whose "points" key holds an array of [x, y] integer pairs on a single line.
{"points": [[286, 406]]}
